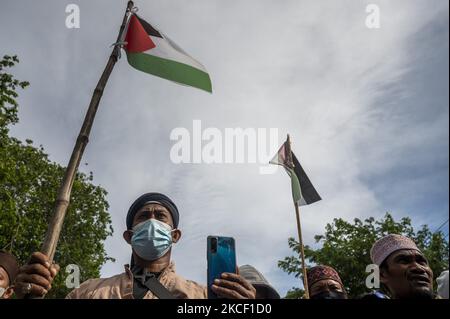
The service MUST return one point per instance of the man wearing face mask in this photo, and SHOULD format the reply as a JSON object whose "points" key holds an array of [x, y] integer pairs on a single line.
{"points": [[8, 271], [152, 229], [324, 283]]}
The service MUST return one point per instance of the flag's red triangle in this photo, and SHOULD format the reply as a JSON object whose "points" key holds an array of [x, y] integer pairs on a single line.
{"points": [[137, 38]]}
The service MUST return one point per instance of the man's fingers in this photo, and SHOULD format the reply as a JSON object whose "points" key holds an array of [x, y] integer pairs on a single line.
{"points": [[226, 293], [21, 290], [37, 269], [54, 269], [38, 291], [40, 281], [23, 279], [36, 280], [39, 258], [237, 278], [232, 285], [38, 262]]}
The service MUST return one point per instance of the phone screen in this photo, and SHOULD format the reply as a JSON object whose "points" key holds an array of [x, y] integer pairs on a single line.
{"points": [[221, 255]]}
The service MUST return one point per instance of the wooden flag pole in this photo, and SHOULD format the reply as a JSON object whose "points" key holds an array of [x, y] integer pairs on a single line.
{"points": [[299, 228], [62, 202], [302, 251]]}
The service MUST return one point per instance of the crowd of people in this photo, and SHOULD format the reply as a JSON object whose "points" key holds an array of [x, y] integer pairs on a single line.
{"points": [[152, 229]]}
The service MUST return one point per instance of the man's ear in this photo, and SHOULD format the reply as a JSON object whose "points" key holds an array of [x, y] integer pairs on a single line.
{"points": [[176, 235], [8, 292], [383, 275], [127, 236]]}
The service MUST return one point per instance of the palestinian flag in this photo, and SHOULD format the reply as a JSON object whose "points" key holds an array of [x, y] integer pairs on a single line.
{"points": [[150, 51], [303, 192]]}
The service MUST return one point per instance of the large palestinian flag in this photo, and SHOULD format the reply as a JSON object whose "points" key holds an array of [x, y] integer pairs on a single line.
{"points": [[150, 51], [303, 191]]}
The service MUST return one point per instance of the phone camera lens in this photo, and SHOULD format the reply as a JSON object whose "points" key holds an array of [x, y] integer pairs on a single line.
{"points": [[214, 245]]}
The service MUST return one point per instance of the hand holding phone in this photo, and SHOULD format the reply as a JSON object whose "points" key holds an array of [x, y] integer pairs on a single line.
{"points": [[223, 279]]}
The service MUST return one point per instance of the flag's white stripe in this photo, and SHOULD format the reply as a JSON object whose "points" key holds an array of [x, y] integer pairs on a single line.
{"points": [[169, 50], [302, 202]]}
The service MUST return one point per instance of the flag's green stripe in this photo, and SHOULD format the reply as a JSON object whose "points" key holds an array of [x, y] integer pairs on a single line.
{"points": [[295, 184], [170, 70]]}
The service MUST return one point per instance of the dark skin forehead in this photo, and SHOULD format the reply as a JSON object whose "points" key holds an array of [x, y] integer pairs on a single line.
{"points": [[4, 278], [406, 256], [153, 210], [325, 285]]}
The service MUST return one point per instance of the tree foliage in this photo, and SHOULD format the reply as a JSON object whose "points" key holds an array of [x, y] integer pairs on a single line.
{"points": [[346, 247], [28, 187]]}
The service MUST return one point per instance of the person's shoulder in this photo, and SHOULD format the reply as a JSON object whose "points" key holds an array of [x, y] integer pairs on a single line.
{"points": [[194, 284], [91, 287]]}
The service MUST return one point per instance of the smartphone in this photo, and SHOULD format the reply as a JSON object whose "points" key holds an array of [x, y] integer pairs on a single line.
{"points": [[221, 255]]}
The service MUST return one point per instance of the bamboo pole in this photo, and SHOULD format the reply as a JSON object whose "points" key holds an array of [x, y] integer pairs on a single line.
{"points": [[302, 251], [62, 202]]}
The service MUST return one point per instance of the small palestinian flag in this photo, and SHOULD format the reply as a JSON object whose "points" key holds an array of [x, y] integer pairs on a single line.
{"points": [[150, 51], [303, 192]]}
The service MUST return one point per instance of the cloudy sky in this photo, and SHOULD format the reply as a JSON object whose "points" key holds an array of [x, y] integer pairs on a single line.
{"points": [[367, 110]]}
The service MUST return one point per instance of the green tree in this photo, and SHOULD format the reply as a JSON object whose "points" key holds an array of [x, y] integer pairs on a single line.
{"points": [[346, 247], [8, 94], [28, 187]]}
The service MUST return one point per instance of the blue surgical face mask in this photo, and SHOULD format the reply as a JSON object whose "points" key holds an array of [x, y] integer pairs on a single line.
{"points": [[151, 239]]}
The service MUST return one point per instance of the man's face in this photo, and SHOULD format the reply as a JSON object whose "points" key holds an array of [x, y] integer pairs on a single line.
{"points": [[4, 283], [155, 211], [327, 287], [408, 275]]}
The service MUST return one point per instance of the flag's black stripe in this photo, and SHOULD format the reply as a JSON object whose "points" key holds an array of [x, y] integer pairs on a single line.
{"points": [[148, 28], [309, 193]]}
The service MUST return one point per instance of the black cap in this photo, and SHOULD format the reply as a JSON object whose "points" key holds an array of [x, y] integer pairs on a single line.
{"points": [[153, 197]]}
